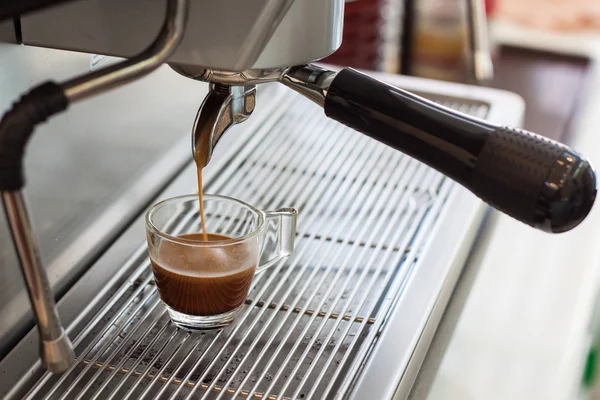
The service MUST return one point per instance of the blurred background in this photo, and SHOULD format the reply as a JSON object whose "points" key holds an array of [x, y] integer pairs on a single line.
{"points": [[510, 347], [539, 48]]}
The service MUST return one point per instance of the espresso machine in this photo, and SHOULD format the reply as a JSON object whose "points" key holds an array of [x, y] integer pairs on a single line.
{"points": [[235, 46]]}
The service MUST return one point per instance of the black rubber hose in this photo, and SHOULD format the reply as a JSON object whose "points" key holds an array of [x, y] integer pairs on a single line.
{"points": [[18, 124]]}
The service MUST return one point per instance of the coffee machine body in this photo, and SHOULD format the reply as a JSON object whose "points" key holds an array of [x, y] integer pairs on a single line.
{"points": [[235, 45], [229, 35]]}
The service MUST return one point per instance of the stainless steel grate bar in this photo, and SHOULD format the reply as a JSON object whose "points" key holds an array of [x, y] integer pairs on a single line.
{"points": [[161, 371], [199, 360], [124, 359], [213, 224], [314, 195], [307, 282], [232, 335], [88, 329], [301, 310], [353, 267], [259, 152], [292, 282], [170, 379], [398, 281], [365, 211], [141, 287], [322, 314], [107, 327], [400, 222], [138, 362], [192, 218], [128, 336], [382, 197], [63, 378], [412, 231], [371, 197]]}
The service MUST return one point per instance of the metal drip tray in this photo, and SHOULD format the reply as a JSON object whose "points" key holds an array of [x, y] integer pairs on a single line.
{"points": [[309, 328]]}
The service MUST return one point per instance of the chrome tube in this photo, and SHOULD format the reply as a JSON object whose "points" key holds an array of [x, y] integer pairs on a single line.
{"points": [[165, 44], [311, 81], [56, 350]]}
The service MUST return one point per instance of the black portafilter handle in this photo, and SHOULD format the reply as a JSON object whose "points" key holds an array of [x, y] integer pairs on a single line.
{"points": [[538, 181]]}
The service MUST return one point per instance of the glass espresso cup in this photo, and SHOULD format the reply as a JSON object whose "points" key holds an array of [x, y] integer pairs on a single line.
{"points": [[203, 284]]}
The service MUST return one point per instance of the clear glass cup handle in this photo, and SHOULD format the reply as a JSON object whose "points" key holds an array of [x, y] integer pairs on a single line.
{"points": [[278, 240]]}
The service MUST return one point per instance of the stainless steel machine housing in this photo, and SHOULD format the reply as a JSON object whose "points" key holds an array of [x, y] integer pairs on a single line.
{"points": [[229, 35]]}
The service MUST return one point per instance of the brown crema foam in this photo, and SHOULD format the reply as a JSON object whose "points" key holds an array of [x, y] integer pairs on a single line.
{"points": [[203, 281]]}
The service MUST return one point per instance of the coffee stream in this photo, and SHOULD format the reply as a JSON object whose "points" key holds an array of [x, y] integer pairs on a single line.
{"points": [[200, 156], [201, 201]]}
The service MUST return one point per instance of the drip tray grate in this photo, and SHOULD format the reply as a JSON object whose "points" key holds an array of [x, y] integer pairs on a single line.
{"points": [[297, 310], [310, 321]]}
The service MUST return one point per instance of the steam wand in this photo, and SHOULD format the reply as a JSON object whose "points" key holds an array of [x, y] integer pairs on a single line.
{"points": [[17, 126]]}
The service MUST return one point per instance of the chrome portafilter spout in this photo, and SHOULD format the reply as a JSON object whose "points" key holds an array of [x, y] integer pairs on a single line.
{"points": [[223, 107], [232, 98], [56, 351], [535, 180]]}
